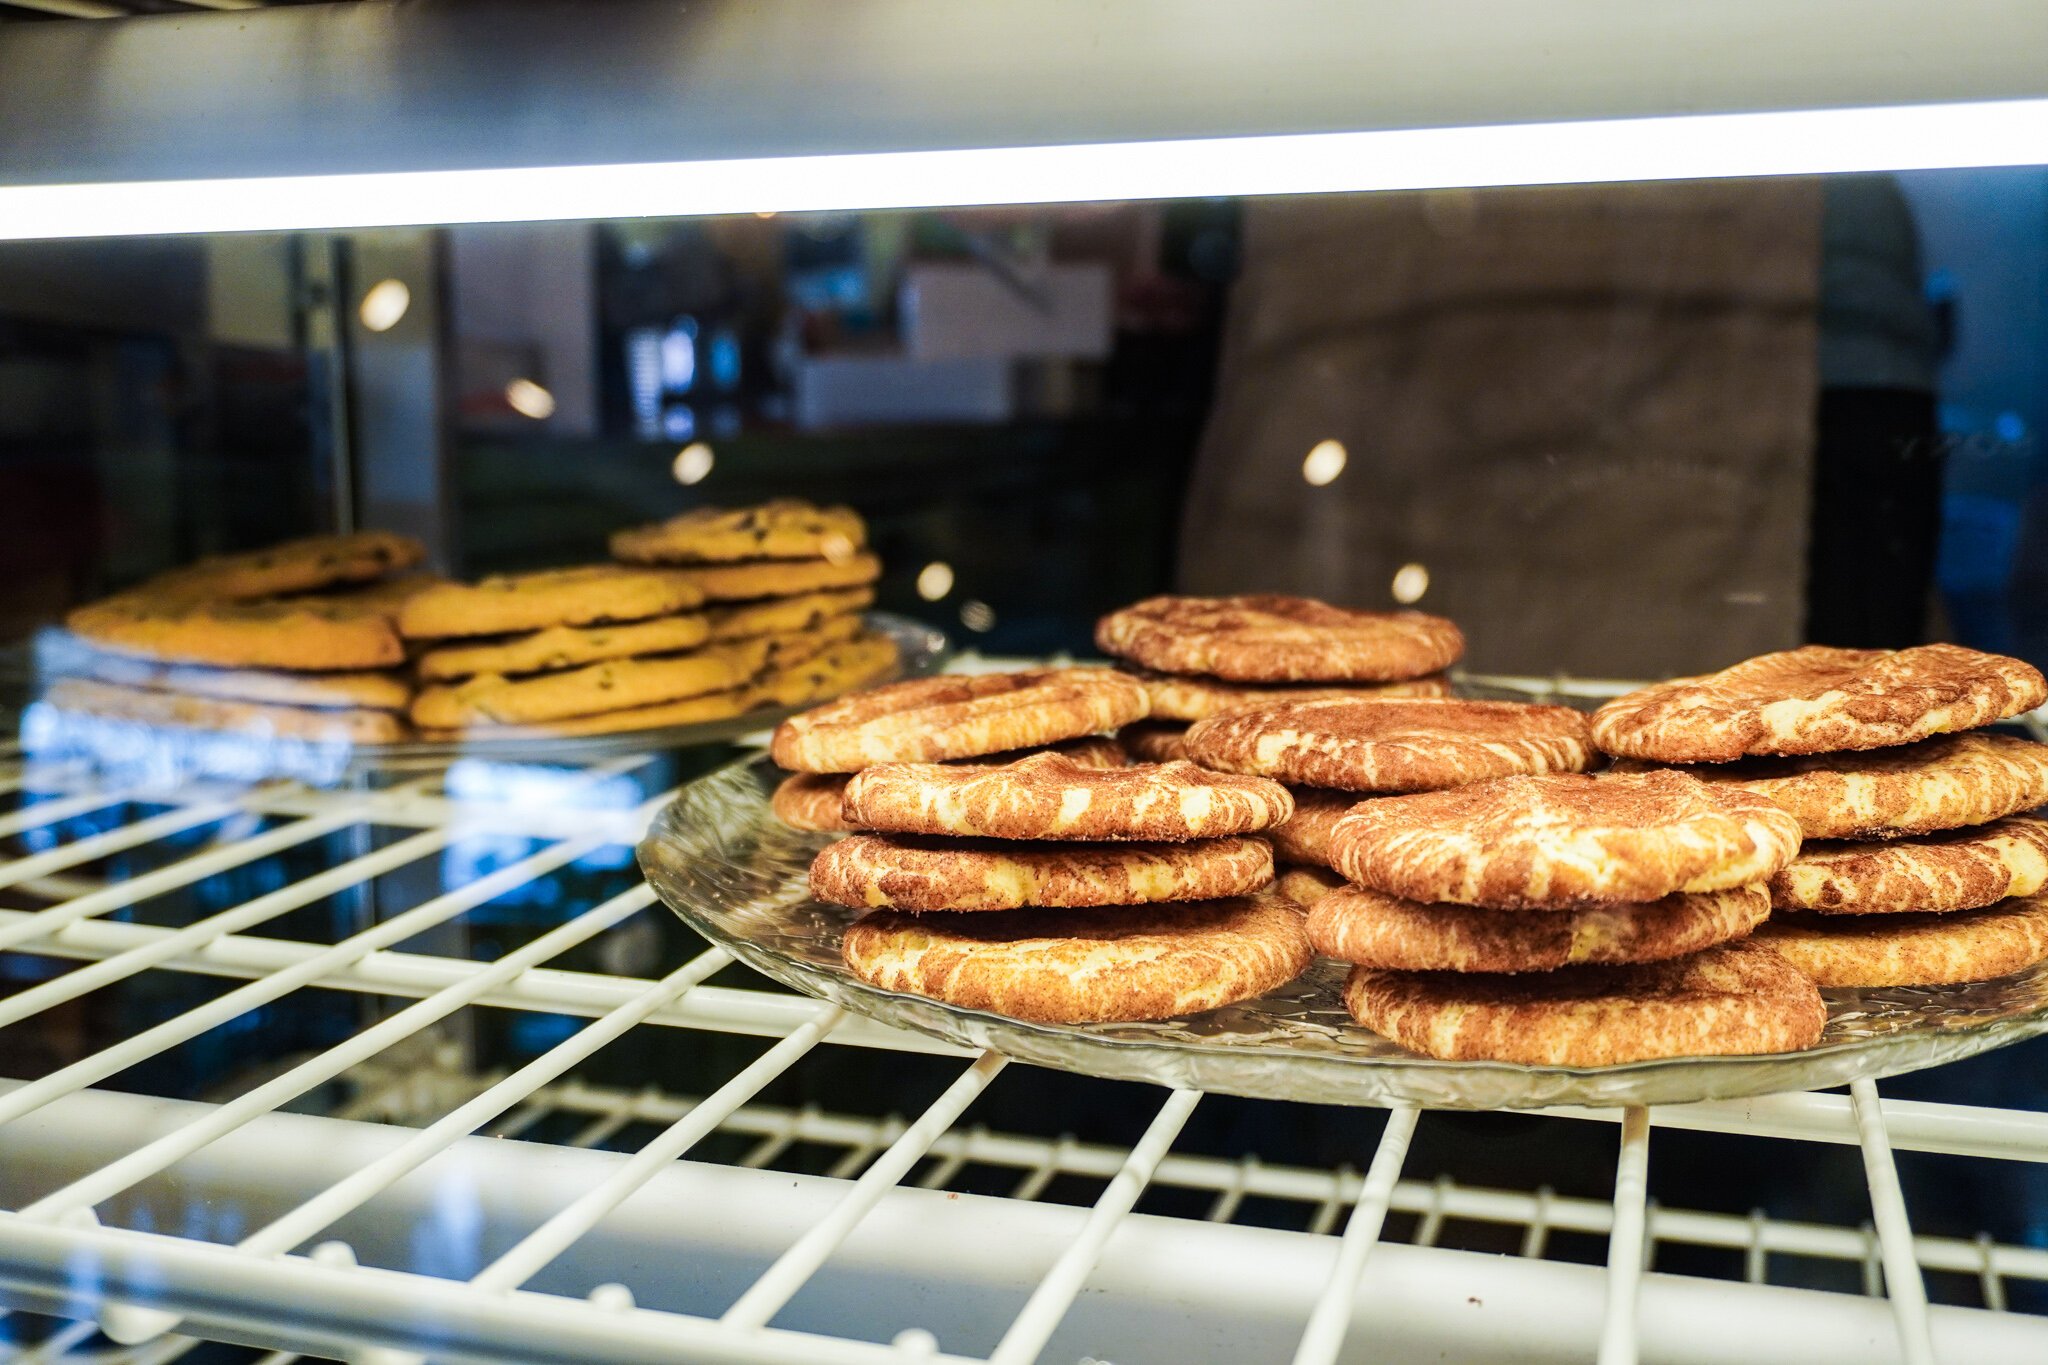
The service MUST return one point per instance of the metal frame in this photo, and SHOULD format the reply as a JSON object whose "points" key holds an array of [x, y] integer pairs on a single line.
{"points": [[293, 1284]]}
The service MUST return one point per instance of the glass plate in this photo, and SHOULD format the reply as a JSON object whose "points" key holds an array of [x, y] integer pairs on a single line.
{"points": [[175, 754], [736, 874]]}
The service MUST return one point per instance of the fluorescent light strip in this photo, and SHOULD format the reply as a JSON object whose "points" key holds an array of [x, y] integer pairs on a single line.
{"points": [[1685, 147]]}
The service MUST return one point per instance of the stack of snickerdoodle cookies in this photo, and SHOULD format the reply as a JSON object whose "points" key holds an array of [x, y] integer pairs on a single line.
{"points": [[1042, 888], [1208, 656], [296, 641], [1336, 750], [1568, 920], [1920, 872]]}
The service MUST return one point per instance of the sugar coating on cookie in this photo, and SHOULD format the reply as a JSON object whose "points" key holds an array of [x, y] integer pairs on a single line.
{"points": [[1267, 637], [920, 872], [1563, 840], [1187, 697], [928, 720], [1377, 930], [811, 801], [1304, 837], [1049, 796], [1739, 998], [1086, 966], [1818, 699], [1306, 886], [1394, 745], [1152, 741], [1942, 783], [1913, 950], [1957, 869]]}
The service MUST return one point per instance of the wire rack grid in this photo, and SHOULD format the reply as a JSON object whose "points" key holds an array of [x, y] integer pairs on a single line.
{"points": [[607, 1234]]}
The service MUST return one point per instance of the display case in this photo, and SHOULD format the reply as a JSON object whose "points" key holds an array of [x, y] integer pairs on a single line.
{"points": [[1636, 336]]}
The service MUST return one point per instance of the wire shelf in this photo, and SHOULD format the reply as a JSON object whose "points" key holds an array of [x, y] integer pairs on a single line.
{"points": [[408, 1184]]}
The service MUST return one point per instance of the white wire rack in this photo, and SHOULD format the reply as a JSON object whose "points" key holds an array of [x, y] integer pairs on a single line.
{"points": [[402, 1223]]}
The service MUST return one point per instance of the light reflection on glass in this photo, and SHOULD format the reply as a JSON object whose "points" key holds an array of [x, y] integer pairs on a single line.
{"points": [[529, 399], [692, 463], [1323, 463], [1410, 582], [384, 303]]}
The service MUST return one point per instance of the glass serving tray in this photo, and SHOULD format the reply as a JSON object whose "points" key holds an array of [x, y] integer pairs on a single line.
{"points": [[721, 860], [173, 753]]}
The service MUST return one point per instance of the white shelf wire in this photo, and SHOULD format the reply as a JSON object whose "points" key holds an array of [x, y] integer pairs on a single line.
{"points": [[605, 1213]]}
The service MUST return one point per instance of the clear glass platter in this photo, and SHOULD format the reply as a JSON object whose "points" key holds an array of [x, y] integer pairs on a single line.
{"points": [[171, 754], [721, 860]]}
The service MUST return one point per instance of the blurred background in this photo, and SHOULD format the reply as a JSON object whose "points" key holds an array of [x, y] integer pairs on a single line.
{"points": [[1017, 400]]}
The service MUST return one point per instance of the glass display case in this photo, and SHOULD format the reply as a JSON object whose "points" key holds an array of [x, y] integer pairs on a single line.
{"points": [[1637, 337]]}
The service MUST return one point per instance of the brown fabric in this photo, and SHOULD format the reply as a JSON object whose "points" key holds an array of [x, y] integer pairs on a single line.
{"points": [[1586, 412]]}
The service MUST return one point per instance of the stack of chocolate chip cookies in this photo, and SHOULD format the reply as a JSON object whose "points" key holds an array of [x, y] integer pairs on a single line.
{"points": [[1208, 656], [784, 565], [1042, 888], [610, 647], [1567, 920], [1920, 871], [328, 638], [297, 641]]}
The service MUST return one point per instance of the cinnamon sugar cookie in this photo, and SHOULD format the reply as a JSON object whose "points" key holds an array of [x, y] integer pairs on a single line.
{"points": [[1394, 745], [1086, 966], [1187, 698], [1735, 999], [926, 720], [1267, 637], [1155, 741], [812, 800], [1562, 841], [786, 528], [1913, 950], [1377, 930], [1941, 783], [1049, 796], [915, 872], [1958, 869], [1305, 886], [1304, 837], [1818, 699]]}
